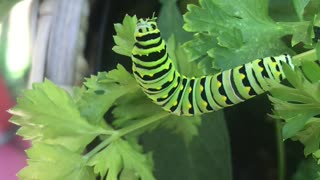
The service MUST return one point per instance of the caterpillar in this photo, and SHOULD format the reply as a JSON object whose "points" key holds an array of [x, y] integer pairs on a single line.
{"points": [[164, 85]]}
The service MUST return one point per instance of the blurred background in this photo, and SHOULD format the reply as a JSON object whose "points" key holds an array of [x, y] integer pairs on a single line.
{"points": [[65, 41]]}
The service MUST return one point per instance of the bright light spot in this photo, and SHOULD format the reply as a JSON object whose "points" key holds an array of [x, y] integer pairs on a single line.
{"points": [[18, 56]]}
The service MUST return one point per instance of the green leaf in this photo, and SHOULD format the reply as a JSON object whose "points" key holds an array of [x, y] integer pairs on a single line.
{"points": [[303, 92], [310, 136], [304, 33], [125, 36], [120, 156], [207, 156], [185, 127], [311, 71], [55, 162], [179, 57], [316, 155], [103, 90], [307, 170], [197, 51], [311, 9], [297, 106], [294, 125], [107, 161], [170, 22], [132, 108], [231, 40], [299, 6], [318, 49], [47, 113], [234, 35], [293, 77]]}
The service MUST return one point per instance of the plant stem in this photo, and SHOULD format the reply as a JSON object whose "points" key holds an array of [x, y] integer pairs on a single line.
{"points": [[143, 123], [281, 153], [124, 131], [306, 56], [103, 144]]}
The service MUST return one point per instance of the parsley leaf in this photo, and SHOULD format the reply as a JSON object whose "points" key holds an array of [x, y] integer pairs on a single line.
{"points": [[186, 127], [103, 90], [124, 39], [48, 113], [298, 106], [306, 170], [310, 135], [55, 162], [132, 108], [170, 22], [231, 35], [299, 6], [311, 71], [120, 156]]}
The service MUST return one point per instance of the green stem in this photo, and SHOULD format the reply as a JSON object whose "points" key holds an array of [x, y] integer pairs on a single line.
{"points": [[306, 56], [103, 144], [143, 123], [124, 131], [281, 153]]}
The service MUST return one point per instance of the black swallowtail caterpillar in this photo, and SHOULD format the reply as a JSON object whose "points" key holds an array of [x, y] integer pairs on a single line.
{"points": [[156, 74]]}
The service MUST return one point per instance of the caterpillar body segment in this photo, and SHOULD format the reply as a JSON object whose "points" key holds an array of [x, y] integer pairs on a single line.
{"points": [[156, 74]]}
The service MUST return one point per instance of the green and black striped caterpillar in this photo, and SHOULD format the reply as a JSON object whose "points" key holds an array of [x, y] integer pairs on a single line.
{"points": [[156, 74]]}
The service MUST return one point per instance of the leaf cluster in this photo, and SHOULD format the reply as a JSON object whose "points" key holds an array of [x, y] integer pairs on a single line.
{"points": [[299, 105], [227, 35], [61, 126]]}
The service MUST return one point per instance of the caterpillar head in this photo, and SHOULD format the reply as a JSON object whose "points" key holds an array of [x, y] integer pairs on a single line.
{"points": [[146, 26]]}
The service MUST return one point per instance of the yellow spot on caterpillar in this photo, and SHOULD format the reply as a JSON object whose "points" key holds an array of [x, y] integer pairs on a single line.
{"points": [[219, 84], [190, 89], [224, 98], [181, 88], [261, 69], [192, 77], [171, 79], [175, 103], [151, 75], [278, 74], [201, 88], [189, 106], [248, 89], [242, 76], [165, 96], [158, 88], [274, 64], [176, 84], [205, 104], [168, 66], [154, 100]]}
